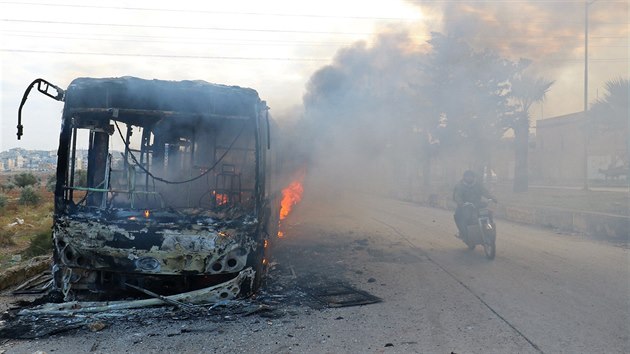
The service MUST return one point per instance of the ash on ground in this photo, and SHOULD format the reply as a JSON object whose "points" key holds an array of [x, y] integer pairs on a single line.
{"points": [[285, 294]]}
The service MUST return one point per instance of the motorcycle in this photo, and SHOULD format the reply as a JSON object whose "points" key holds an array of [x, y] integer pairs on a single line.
{"points": [[481, 229]]}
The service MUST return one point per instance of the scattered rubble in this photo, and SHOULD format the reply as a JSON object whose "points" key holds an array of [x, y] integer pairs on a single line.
{"points": [[17, 221], [20, 273], [283, 294], [38, 284]]}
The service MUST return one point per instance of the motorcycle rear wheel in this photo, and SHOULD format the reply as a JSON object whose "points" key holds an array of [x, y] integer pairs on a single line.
{"points": [[490, 249], [469, 244]]}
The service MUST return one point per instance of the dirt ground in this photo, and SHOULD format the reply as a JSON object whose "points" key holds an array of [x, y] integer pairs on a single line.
{"points": [[545, 292]]}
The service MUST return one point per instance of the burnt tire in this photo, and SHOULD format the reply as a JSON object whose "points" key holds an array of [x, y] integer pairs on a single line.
{"points": [[470, 245], [490, 249]]}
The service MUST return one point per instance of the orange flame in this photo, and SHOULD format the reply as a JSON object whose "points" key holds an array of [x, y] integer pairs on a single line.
{"points": [[290, 196], [147, 214], [220, 198]]}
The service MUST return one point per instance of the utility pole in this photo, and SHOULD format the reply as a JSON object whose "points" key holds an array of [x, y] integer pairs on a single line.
{"points": [[586, 120]]}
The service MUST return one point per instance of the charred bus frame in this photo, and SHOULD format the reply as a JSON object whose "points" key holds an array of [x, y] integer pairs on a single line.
{"points": [[176, 195]]}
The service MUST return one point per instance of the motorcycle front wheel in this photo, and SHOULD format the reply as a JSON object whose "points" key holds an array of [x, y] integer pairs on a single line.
{"points": [[489, 244]]}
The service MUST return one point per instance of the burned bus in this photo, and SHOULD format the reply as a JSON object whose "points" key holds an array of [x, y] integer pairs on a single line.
{"points": [[161, 187]]}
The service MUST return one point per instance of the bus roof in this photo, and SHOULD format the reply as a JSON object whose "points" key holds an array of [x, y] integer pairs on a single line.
{"points": [[188, 97]]}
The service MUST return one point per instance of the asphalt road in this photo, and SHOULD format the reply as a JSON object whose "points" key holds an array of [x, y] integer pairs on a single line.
{"points": [[544, 292]]}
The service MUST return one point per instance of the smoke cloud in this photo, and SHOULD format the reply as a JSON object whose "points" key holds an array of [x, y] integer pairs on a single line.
{"points": [[552, 34], [360, 113], [379, 111]]}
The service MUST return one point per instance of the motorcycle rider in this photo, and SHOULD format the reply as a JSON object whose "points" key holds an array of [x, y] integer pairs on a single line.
{"points": [[469, 190]]}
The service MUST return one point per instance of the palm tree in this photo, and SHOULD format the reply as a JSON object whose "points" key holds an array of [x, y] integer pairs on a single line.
{"points": [[525, 91], [611, 111]]}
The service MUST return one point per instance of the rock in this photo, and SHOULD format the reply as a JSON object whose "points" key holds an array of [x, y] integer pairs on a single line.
{"points": [[96, 326]]}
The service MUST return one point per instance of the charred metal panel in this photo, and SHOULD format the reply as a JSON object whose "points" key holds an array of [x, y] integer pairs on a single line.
{"points": [[137, 245], [188, 97]]}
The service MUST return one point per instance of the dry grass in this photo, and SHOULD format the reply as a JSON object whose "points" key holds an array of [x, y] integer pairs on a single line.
{"points": [[15, 238]]}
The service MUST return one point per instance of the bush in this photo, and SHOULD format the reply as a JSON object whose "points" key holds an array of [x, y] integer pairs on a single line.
{"points": [[80, 178], [51, 183], [6, 239], [3, 201], [40, 244], [29, 196], [7, 187], [25, 179]]}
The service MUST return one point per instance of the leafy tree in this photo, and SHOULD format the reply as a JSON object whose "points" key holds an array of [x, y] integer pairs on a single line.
{"points": [[80, 180], [389, 101], [29, 196], [525, 91], [25, 179], [468, 90], [51, 182]]}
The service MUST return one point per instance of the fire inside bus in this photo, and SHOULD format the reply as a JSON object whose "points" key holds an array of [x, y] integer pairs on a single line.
{"points": [[161, 187]]}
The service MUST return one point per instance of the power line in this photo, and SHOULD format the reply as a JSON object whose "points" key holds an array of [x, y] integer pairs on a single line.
{"points": [[12, 50], [240, 13], [186, 40], [269, 30], [590, 60], [179, 40], [578, 2], [181, 27], [249, 43], [209, 12], [127, 35]]}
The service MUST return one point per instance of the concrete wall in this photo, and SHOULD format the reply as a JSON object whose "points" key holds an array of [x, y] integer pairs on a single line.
{"points": [[603, 226], [609, 227], [560, 150]]}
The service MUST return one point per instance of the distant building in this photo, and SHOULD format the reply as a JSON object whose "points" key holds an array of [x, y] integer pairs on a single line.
{"points": [[10, 164], [18, 159], [20, 162]]}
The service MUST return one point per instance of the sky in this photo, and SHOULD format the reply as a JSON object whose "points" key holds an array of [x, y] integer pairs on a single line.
{"points": [[275, 46]]}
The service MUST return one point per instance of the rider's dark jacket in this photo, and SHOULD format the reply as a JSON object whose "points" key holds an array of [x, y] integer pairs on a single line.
{"points": [[470, 193]]}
